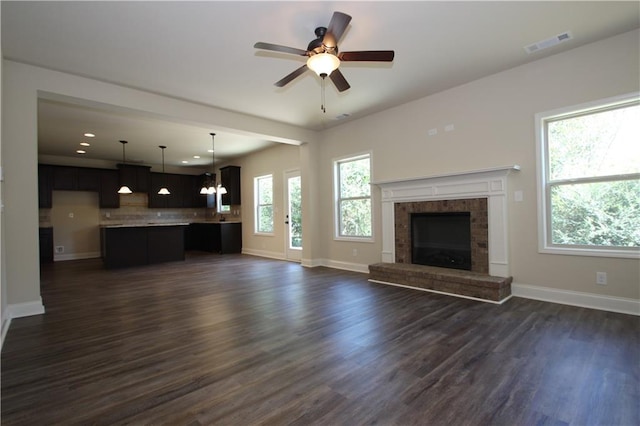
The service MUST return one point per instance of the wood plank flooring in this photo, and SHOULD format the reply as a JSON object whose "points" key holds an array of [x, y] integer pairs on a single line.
{"points": [[241, 340]]}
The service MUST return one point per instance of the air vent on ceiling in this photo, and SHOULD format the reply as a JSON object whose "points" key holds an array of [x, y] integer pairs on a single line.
{"points": [[552, 41]]}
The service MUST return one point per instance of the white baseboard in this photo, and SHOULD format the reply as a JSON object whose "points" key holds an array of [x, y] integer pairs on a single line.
{"points": [[575, 298], [76, 256], [6, 322], [264, 253], [346, 266], [26, 309]]}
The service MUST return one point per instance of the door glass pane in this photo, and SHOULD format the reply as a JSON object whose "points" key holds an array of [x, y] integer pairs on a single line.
{"points": [[295, 212]]}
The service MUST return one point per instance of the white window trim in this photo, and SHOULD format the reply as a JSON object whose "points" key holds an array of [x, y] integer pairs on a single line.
{"points": [[336, 192], [544, 208], [256, 204]]}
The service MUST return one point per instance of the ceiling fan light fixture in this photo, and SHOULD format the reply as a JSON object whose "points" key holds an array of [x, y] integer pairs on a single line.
{"points": [[323, 63]]}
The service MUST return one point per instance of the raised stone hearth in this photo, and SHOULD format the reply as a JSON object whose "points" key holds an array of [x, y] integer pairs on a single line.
{"points": [[451, 281]]}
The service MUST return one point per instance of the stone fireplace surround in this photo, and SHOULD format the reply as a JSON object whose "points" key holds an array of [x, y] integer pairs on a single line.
{"points": [[451, 192]]}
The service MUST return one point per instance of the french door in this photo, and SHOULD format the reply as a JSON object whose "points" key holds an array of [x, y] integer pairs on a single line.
{"points": [[293, 217]]}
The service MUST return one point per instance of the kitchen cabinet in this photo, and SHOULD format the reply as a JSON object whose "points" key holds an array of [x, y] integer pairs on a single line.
{"points": [[88, 179], [46, 244], [65, 178], [230, 179], [109, 185], [137, 178], [191, 192], [222, 237], [185, 191], [45, 182], [124, 246], [157, 181]]}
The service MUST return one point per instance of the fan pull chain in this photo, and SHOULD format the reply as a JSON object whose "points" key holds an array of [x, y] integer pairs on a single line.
{"points": [[322, 97]]}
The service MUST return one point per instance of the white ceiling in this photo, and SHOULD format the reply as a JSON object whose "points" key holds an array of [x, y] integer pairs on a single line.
{"points": [[203, 52]]}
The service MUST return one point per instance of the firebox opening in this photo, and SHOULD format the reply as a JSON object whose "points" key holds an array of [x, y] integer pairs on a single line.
{"points": [[441, 239]]}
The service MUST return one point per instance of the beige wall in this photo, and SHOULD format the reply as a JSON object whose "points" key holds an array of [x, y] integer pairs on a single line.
{"points": [[75, 217], [494, 126], [274, 161]]}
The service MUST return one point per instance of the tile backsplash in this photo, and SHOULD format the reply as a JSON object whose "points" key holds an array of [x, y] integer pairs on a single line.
{"points": [[133, 210]]}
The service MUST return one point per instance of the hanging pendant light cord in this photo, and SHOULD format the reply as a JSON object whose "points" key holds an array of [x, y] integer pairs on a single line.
{"points": [[322, 94]]}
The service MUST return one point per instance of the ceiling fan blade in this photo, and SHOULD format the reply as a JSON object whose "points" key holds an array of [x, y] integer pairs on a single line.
{"points": [[278, 48], [337, 26], [339, 80], [367, 55], [286, 80]]}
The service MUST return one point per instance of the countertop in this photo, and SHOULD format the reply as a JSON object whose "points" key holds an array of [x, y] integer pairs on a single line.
{"points": [[139, 225], [153, 224]]}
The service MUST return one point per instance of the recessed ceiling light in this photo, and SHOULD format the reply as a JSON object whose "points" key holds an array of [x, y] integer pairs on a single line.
{"points": [[90, 135], [85, 144], [185, 162], [196, 156], [81, 151]]}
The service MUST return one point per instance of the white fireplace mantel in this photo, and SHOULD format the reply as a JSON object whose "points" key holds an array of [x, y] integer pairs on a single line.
{"points": [[485, 183]]}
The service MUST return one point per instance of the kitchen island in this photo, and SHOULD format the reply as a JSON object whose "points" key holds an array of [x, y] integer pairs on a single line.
{"points": [[141, 244]]}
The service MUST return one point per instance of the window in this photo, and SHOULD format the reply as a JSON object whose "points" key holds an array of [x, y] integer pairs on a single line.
{"points": [[353, 197], [589, 179], [263, 190]]}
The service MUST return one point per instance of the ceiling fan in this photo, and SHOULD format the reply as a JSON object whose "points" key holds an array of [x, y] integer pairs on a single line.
{"points": [[324, 58]]}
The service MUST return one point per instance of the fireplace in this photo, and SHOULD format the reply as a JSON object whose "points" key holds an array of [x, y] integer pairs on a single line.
{"points": [[470, 214], [454, 192], [477, 200], [441, 239]]}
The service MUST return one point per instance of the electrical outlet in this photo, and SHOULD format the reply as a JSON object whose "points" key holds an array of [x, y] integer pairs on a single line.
{"points": [[355, 252], [159, 214], [59, 249], [601, 278], [107, 214]]}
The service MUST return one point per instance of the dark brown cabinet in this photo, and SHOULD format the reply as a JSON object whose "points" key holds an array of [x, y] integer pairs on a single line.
{"points": [[230, 179], [65, 178], [45, 181], [46, 245], [109, 185], [223, 237], [88, 179], [141, 245], [137, 178], [184, 191]]}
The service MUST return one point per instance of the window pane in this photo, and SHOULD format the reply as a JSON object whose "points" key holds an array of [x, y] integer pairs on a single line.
{"points": [[598, 144], [295, 212], [596, 214], [265, 190], [355, 218], [265, 218], [354, 178]]}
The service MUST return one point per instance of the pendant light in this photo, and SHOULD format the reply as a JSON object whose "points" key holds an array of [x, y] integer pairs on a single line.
{"points": [[210, 186], [124, 189], [163, 190]]}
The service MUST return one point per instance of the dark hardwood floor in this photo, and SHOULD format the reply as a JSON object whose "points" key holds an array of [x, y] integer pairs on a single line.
{"points": [[241, 340]]}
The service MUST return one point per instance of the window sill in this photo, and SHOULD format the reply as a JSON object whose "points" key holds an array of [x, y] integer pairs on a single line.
{"points": [[592, 252]]}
